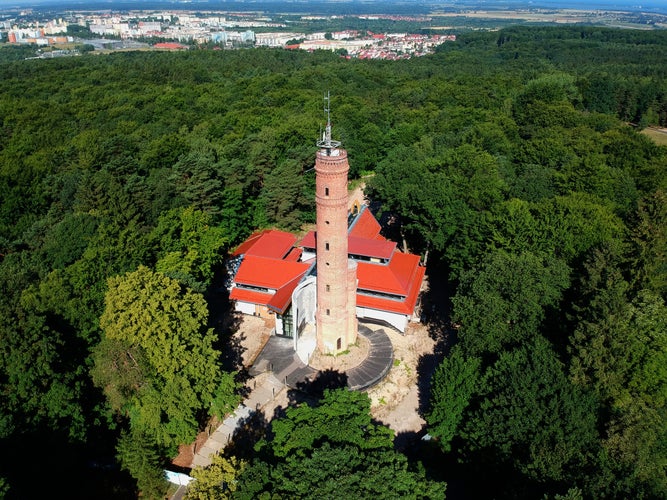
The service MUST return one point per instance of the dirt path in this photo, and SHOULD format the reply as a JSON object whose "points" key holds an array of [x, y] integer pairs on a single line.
{"points": [[357, 194], [395, 400]]}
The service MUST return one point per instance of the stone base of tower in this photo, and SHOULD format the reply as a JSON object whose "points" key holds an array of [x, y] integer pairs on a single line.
{"points": [[331, 338]]}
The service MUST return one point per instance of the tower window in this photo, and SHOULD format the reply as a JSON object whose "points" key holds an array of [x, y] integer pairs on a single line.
{"points": [[326, 222], [328, 288], [326, 246], [328, 312], [326, 191]]}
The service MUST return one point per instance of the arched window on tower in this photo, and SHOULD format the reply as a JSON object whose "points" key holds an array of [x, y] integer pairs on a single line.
{"points": [[326, 191], [326, 246]]}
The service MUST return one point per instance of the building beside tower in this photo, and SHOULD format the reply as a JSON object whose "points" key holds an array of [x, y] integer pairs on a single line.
{"points": [[342, 271]]}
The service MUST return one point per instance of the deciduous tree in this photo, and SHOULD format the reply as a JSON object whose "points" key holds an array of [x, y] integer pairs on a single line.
{"points": [[178, 368]]}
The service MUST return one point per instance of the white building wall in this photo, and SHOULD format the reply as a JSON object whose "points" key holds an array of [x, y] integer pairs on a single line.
{"points": [[398, 321], [245, 307], [304, 303], [279, 325], [307, 255]]}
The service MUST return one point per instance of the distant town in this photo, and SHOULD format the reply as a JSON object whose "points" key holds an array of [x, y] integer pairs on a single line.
{"points": [[58, 32], [178, 30]]}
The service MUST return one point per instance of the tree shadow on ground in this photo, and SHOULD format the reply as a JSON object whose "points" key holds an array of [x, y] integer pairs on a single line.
{"points": [[226, 322], [314, 389], [407, 440], [248, 433], [436, 315]]}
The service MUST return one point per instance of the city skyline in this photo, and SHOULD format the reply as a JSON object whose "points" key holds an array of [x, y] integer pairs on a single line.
{"points": [[371, 5]]}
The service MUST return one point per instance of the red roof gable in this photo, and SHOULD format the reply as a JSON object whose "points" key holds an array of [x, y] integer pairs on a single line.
{"points": [[269, 273], [365, 225], [308, 241], [268, 243]]}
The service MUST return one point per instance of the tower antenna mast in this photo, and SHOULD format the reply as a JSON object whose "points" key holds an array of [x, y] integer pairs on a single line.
{"points": [[326, 142]]}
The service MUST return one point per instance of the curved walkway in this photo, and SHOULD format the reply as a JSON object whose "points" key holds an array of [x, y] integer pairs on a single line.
{"points": [[286, 370], [278, 356], [376, 365]]}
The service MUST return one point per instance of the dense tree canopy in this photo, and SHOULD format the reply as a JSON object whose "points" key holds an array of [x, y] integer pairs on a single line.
{"points": [[333, 449], [506, 157]]}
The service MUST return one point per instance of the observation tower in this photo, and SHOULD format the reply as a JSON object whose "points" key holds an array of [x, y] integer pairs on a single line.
{"points": [[336, 320]]}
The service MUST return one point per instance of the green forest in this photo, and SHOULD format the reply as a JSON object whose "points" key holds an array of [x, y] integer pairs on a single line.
{"points": [[514, 161]]}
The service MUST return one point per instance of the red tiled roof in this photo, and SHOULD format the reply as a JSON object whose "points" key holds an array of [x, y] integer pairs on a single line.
{"points": [[267, 243], [268, 273], [382, 249], [278, 301], [270, 261], [283, 297], [406, 306], [365, 225], [396, 278], [170, 46], [294, 255], [308, 241], [252, 296]]}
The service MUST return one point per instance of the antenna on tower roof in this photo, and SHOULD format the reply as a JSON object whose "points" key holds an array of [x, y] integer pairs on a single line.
{"points": [[325, 142]]}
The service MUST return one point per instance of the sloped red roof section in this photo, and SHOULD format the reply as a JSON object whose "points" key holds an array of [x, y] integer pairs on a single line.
{"points": [[365, 225], [294, 255], [282, 298], [269, 273], [308, 241], [381, 249], [406, 306], [396, 278], [268, 243], [252, 296], [278, 301]]}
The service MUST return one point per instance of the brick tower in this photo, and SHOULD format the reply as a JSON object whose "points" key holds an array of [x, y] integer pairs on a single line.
{"points": [[336, 277]]}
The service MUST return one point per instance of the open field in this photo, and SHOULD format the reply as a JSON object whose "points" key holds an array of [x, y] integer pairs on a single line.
{"points": [[659, 136], [598, 17]]}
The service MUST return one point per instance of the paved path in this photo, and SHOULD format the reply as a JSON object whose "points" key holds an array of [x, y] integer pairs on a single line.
{"points": [[278, 355], [260, 395], [286, 370]]}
